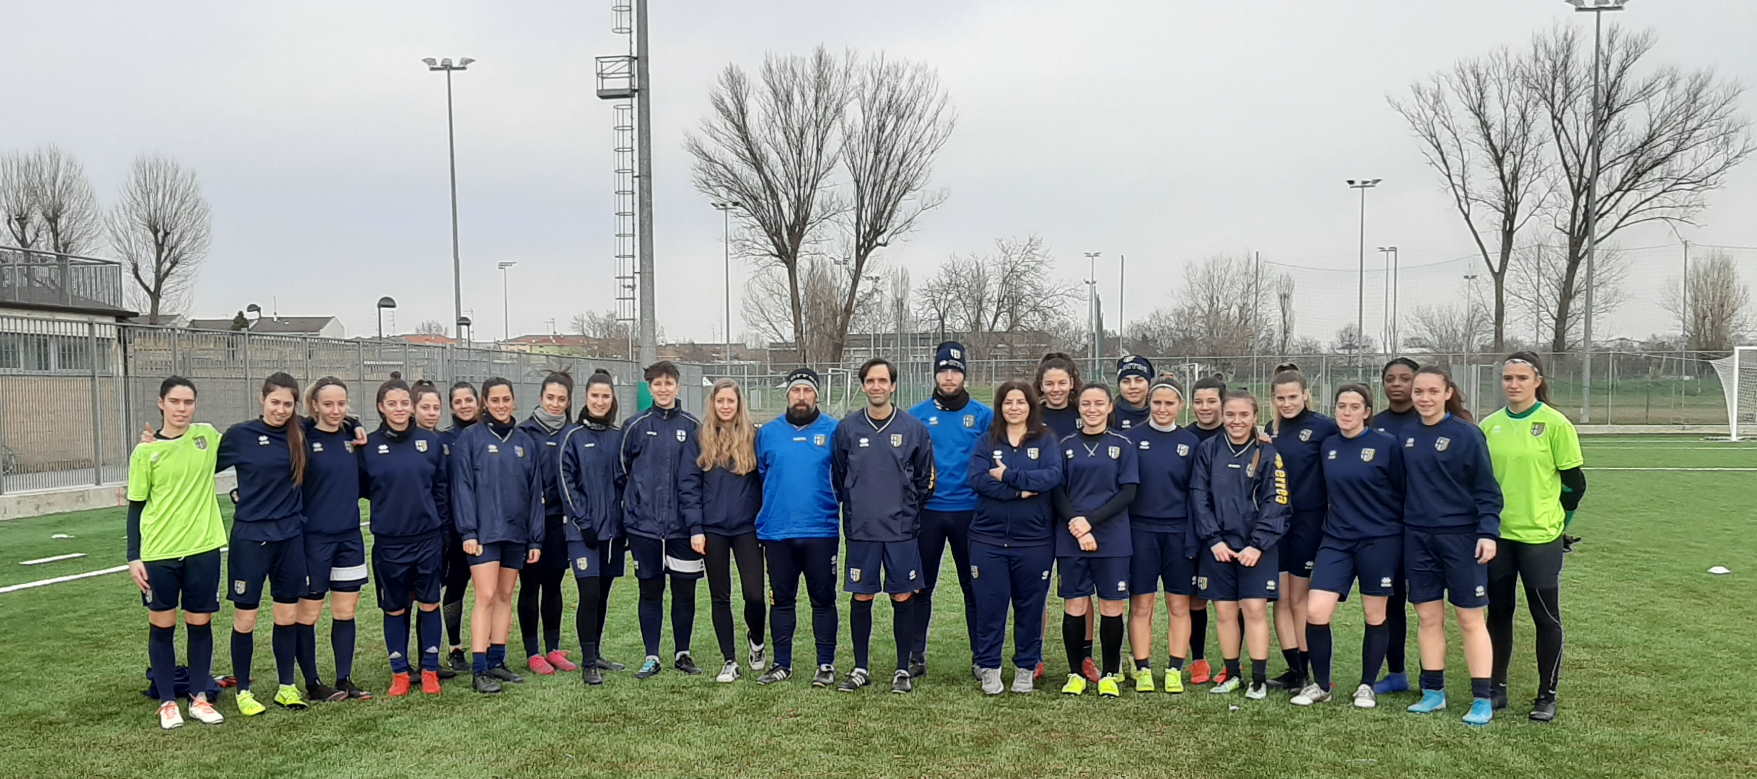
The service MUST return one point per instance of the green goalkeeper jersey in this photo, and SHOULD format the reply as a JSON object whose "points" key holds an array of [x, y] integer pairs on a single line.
{"points": [[1529, 452]]}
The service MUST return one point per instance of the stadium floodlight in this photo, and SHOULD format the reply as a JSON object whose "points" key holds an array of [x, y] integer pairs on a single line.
{"points": [[431, 62], [725, 209], [451, 153], [1597, 8], [505, 329], [1594, 6], [1360, 301]]}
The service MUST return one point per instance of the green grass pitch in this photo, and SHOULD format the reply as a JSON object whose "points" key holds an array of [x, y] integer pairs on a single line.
{"points": [[1657, 681]]}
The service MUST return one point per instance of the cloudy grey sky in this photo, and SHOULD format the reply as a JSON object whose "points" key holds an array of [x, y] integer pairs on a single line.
{"points": [[1164, 131]]}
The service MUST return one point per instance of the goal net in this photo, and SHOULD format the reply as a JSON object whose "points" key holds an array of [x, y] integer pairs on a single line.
{"points": [[1738, 379]]}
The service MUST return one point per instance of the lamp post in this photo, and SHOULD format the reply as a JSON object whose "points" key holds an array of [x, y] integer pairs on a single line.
{"points": [[725, 209], [1360, 301], [1388, 337], [457, 286], [464, 330], [386, 302], [1092, 306], [253, 309], [505, 328], [1597, 8]]}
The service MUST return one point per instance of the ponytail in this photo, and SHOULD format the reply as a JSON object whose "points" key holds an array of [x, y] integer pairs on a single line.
{"points": [[1455, 404], [295, 426]]}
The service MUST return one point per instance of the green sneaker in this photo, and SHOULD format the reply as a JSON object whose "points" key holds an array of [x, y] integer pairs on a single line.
{"points": [[1144, 681], [248, 705], [1174, 681], [1075, 686], [288, 697], [1107, 686]]}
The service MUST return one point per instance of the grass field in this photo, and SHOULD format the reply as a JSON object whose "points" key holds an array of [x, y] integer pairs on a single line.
{"points": [[1657, 681]]}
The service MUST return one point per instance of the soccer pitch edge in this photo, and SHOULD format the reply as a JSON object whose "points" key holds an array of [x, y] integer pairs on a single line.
{"points": [[1641, 693]]}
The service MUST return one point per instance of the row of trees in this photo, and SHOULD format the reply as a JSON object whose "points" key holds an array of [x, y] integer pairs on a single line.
{"points": [[158, 226]]}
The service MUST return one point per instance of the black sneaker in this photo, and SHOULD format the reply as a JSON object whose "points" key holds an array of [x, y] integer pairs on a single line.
{"points": [[505, 674], [591, 674], [901, 682], [609, 665], [445, 672], [318, 692], [458, 661], [686, 664], [353, 692], [1543, 710], [855, 680], [649, 669], [484, 683], [779, 673], [826, 676], [1289, 680], [918, 668], [1498, 696]]}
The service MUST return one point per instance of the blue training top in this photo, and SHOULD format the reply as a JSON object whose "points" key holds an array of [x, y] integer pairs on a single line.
{"points": [[1096, 468], [1063, 422], [332, 480], [590, 480], [497, 491], [1363, 477], [716, 500], [1239, 494], [404, 475], [1004, 518], [954, 433], [1162, 502], [270, 506], [1298, 440], [1451, 482], [799, 497], [650, 443], [884, 472]]}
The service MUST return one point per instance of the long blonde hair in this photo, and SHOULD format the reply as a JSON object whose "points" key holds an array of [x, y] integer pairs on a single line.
{"points": [[730, 445]]}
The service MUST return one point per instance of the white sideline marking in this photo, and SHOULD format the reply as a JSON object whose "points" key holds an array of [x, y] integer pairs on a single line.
{"points": [[41, 560], [60, 579], [1600, 468]]}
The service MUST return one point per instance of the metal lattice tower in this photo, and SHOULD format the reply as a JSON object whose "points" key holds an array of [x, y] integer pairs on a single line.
{"points": [[617, 83]]}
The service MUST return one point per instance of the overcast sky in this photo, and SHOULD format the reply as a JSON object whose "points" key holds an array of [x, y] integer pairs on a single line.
{"points": [[1164, 131]]}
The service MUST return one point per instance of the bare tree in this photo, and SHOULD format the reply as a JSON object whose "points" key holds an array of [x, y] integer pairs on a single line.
{"points": [[1452, 328], [1284, 290], [1481, 131], [1718, 305], [902, 317], [1552, 299], [1350, 340], [598, 324], [1665, 139], [766, 295], [1214, 314], [770, 148], [994, 298], [430, 327], [159, 229], [17, 204], [66, 206]]}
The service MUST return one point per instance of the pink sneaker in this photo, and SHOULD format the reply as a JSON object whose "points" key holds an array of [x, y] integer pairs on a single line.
{"points": [[539, 666], [559, 660]]}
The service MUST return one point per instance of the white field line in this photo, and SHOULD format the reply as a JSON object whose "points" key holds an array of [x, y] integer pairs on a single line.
{"points": [[75, 576], [41, 560], [1600, 468]]}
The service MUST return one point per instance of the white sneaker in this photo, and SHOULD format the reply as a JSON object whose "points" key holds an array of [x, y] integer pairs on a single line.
{"points": [[1256, 691], [758, 658], [1365, 698], [1309, 695], [1225, 688], [169, 717], [728, 673], [204, 712], [991, 681], [1023, 682]]}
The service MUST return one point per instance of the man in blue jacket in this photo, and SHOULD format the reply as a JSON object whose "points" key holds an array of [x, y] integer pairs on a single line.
{"points": [[883, 464], [797, 525], [653, 519], [955, 421]]}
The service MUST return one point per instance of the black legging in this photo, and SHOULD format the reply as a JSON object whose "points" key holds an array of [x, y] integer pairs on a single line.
{"points": [[540, 592], [455, 572], [1539, 566], [723, 552], [588, 617]]}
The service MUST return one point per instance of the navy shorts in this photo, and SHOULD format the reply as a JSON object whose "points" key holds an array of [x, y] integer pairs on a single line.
{"points": [[281, 563], [334, 561], [1298, 547], [1376, 562], [1079, 577], [1162, 557], [408, 569], [1232, 581], [596, 557], [191, 582], [509, 555], [1444, 564], [654, 558], [899, 563]]}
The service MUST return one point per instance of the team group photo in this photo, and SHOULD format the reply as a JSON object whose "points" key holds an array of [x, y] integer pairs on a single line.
{"points": [[818, 388]]}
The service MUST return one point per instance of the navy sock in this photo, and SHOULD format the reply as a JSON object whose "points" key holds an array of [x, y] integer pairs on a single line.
{"points": [[285, 639], [1305, 662], [429, 629], [903, 630], [1292, 658], [1318, 638], [341, 643], [1372, 651], [496, 655], [1143, 663], [161, 655], [1199, 634], [243, 648], [652, 613], [1259, 670], [1110, 635], [396, 641], [1175, 663], [682, 612], [201, 659], [1232, 671], [1433, 680], [305, 651], [1481, 687], [860, 629], [1074, 641], [479, 662]]}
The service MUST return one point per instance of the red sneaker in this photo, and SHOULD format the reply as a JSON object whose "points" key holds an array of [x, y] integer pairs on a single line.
{"points": [[399, 685], [1037, 675], [539, 666], [1220, 678], [1089, 669], [429, 682], [559, 660], [1200, 672]]}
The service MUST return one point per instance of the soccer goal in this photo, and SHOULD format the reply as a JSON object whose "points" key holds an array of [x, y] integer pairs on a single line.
{"points": [[1738, 378]]}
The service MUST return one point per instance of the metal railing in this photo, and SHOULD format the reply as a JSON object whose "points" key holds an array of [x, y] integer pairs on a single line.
{"points": [[32, 276]]}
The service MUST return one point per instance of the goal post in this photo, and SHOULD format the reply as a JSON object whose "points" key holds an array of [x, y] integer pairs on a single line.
{"points": [[1738, 379]]}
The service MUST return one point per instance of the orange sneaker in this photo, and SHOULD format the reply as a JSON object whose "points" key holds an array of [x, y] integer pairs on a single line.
{"points": [[1037, 675], [399, 685], [558, 660], [1089, 669], [1200, 673], [430, 683], [1220, 678]]}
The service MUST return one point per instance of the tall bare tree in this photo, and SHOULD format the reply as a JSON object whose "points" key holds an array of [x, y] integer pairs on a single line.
{"points": [[17, 202], [994, 298], [1718, 306], [1553, 300], [1482, 133], [770, 147], [1213, 314], [430, 327], [66, 206], [765, 307], [1284, 297], [1452, 328], [598, 324], [1665, 138], [159, 229]]}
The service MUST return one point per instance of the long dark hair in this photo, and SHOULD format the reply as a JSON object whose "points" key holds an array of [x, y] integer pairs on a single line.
{"points": [[1059, 361], [1365, 393], [173, 382], [1542, 393], [600, 376], [420, 388], [396, 383], [487, 388], [1034, 427], [456, 421], [295, 427], [1454, 406], [562, 379]]}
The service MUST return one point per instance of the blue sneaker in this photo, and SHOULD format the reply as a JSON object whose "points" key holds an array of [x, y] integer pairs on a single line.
{"points": [[1481, 711], [1431, 701], [1391, 683]]}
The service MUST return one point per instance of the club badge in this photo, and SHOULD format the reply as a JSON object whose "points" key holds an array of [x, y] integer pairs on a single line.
{"points": [[518, 450], [201, 443], [681, 435], [975, 571], [1409, 443], [933, 421], [421, 445], [238, 586], [1183, 450], [969, 420], [1442, 443], [1030, 452], [1305, 435], [1201, 582], [896, 440], [818, 439], [582, 563], [1269, 585], [1537, 429], [1366, 455], [348, 446], [1116, 452], [853, 574]]}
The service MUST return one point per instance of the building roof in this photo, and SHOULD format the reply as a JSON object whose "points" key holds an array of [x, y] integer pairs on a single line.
{"points": [[286, 325]]}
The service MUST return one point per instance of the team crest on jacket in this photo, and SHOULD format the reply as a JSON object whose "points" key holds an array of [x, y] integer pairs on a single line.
{"points": [[201, 443], [1441, 443], [818, 439], [896, 440], [969, 420], [853, 574], [238, 586], [1537, 430], [1201, 582], [518, 451], [975, 571], [582, 562], [1031, 452], [1366, 455], [1305, 435], [348, 446], [1183, 450], [681, 435], [1116, 452], [421, 445]]}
